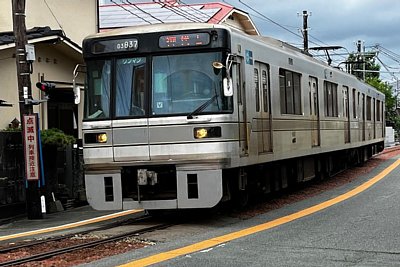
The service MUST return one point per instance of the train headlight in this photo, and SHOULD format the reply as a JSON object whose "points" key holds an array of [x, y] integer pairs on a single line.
{"points": [[200, 133], [207, 132], [101, 138]]}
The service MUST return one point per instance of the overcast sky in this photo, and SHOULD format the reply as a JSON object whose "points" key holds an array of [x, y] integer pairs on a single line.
{"points": [[332, 22]]}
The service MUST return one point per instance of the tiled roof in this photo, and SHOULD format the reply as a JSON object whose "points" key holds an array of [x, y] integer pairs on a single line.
{"points": [[4, 103], [37, 32], [134, 14], [122, 15]]}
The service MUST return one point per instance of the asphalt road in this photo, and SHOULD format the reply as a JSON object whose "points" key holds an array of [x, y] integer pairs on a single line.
{"points": [[363, 230]]}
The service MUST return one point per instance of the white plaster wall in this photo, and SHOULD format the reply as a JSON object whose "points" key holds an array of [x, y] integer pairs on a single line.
{"points": [[54, 64], [76, 17]]}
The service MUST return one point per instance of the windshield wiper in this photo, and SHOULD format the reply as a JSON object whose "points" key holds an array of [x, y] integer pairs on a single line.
{"points": [[202, 107]]}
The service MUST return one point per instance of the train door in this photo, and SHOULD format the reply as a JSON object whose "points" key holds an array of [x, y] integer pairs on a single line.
{"points": [[346, 116], [374, 116], [242, 115], [363, 116], [314, 111], [262, 121], [354, 115]]}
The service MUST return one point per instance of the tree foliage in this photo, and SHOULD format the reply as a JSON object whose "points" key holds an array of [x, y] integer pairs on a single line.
{"points": [[356, 62], [392, 119], [56, 137]]}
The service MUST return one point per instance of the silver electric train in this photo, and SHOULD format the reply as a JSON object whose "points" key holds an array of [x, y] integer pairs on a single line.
{"points": [[188, 115]]}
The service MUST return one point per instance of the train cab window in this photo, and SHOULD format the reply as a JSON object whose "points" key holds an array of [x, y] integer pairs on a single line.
{"points": [[257, 89], [130, 86], [290, 92], [369, 106], [330, 99], [181, 84], [97, 99]]}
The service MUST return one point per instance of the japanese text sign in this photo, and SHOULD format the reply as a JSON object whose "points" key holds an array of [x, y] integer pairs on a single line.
{"points": [[31, 147]]}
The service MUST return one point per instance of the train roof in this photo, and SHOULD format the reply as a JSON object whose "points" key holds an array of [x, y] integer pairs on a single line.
{"points": [[161, 27], [177, 26]]}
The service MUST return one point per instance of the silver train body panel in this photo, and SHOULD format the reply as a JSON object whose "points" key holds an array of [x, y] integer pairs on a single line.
{"points": [[248, 136]]}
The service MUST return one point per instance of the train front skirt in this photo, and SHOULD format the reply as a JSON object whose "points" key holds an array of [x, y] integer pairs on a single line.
{"points": [[195, 189]]}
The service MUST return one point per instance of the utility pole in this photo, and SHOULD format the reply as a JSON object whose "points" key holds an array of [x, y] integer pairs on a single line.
{"points": [[305, 31], [33, 203], [361, 57]]}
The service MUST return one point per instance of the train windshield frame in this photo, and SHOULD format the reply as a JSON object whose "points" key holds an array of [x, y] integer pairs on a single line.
{"points": [[155, 85]]}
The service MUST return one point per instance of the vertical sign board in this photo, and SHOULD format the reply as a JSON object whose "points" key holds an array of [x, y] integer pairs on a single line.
{"points": [[31, 147]]}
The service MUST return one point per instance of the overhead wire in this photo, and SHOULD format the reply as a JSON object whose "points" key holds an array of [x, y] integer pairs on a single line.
{"points": [[280, 25], [52, 13], [145, 12], [199, 12], [390, 54], [194, 17], [177, 12], [386, 68], [127, 10], [270, 20]]}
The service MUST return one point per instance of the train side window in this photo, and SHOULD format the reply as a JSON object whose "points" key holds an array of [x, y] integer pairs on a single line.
{"points": [[265, 85], [290, 92], [331, 101], [378, 110], [345, 101], [239, 82], [369, 106], [354, 104], [257, 89]]}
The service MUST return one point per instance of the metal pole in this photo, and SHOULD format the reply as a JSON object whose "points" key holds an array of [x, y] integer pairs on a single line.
{"points": [[305, 31]]}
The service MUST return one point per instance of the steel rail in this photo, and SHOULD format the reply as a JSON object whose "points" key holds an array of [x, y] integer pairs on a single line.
{"points": [[49, 254], [56, 238]]}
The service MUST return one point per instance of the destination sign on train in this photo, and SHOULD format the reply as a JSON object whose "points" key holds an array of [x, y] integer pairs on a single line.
{"points": [[182, 40], [120, 45]]}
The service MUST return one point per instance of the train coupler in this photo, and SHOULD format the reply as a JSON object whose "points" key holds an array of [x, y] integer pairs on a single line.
{"points": [[145, 177]]}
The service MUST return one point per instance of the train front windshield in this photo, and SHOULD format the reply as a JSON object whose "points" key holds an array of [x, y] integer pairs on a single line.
{"points": [[155, 86]]}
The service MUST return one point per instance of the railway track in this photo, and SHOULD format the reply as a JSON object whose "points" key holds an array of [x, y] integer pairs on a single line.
{"points": [[73, 248], [60, 237]]}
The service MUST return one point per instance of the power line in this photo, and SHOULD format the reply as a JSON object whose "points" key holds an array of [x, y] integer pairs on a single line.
{"points": [[127, 10], [265, 18], [387, 69], [177, 12], [270, 20], [199, 11], [147, 13], [51, 11], [390, 54]]}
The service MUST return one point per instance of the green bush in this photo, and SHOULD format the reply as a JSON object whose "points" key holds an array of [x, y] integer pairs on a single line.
{"points": [[56, 137], [11, 129]]}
